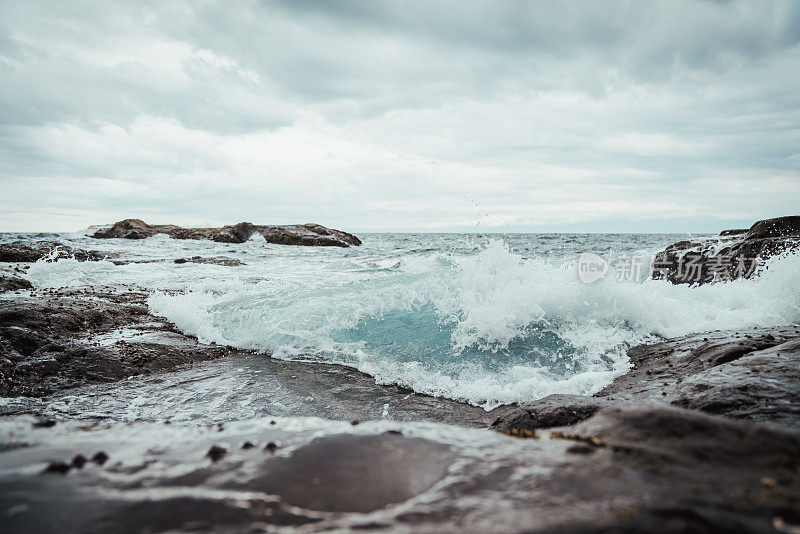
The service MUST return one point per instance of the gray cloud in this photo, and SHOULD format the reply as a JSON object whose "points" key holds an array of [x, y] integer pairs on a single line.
{"points": [[393, 114]]}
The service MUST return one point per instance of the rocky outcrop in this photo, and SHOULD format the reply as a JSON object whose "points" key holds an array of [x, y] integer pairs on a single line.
{"points": [[625, 469], [50, 341], [734, 254], [296, 234], [31, 251], [11, 281], [752, 375], [748, 374]]}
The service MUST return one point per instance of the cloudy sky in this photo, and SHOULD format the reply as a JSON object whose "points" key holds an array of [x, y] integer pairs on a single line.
{"points": [[400, 115]]}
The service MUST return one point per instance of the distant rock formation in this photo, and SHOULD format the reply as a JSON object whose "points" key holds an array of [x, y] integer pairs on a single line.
{"points": [[734, 254], [293, 234]]}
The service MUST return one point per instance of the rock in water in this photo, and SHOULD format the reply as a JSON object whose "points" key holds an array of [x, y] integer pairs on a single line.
{"points": [[10, 282], [293, 234], [734, 254], [31, 251]]}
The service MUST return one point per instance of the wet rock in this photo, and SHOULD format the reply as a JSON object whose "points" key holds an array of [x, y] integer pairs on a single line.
{"points": [[31, 251], [407, 467], [58, 467], [551, 411], [100, 458], [753, 374], [298, 234], [217, 260], [44, 423], [9, 282], [216, 453], [627, 468], [48, 342], [734, 254]]}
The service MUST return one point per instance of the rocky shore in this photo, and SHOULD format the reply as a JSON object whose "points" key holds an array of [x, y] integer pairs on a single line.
{"points": [[701, 435]]}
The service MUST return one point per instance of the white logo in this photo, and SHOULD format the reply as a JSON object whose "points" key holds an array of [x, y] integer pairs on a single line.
{"points": [[591, 267]]}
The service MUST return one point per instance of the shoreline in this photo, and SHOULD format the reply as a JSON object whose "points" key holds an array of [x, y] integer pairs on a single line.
{"points": [[127, 424], [57, 340]]}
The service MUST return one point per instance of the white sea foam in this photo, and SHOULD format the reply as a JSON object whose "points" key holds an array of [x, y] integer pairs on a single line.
{"points": [[489, 327]]}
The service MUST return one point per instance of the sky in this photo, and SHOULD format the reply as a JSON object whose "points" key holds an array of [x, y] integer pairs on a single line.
{"points": [[627, 116]]}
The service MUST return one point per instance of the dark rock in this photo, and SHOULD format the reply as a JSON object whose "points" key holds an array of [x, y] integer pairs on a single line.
{"points": [[58, 467], [625, 469], [100, 458], [755, 378], [9, 282], [298, 234], [248, 445], [409, 466], [551, 411], [78, 461], [778, 227], [47, 342], [218, 260], [735, 254], [44, 423], [31, 251], [271, 447], [736, 231], [216, 453]]}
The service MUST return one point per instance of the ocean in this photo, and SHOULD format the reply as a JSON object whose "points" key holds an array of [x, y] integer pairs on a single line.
{"points": [[488, 319]]}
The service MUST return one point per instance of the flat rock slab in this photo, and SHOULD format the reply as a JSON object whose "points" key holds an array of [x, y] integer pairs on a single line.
{"points": [[625, 468]]}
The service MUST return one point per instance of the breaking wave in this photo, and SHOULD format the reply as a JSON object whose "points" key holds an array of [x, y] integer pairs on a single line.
{"points": [[487, 328]]}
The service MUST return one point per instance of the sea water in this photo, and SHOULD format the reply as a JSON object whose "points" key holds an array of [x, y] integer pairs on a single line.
{"points": [[486, 319]]}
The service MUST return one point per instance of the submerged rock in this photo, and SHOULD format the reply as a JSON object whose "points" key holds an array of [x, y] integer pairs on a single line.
{"points": [[216, 260], [296, 234], [734, 254]]}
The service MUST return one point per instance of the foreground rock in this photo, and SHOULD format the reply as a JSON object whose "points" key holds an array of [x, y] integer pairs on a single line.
{"points": [[748, 374], [295, 234], [53, 340], [734, 254], [624, 469]]}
